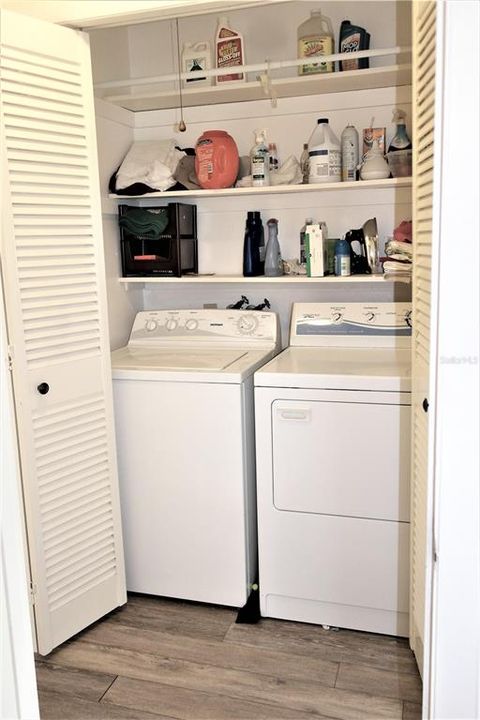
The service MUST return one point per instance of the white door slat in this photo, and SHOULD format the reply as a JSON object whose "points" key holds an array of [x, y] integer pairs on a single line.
{"points": [[37, 203], [81, 468], [83, 582], [13, 64], [41, 78], [31, 315], [57, 428], [33, 58], [69, 100], [91, 538], [50, 138], [31, 105], [49, 125]]}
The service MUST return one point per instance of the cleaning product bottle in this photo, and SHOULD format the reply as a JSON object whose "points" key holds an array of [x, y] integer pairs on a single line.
{"points": [[353, 38], [342, 258], [259, 160], [252, 263], [196, 57], [272, 158], [229, 51], [273, 257], [303, 256], [315, 37], [305, 164], [400, 140], [349, 142], [324, 154]]}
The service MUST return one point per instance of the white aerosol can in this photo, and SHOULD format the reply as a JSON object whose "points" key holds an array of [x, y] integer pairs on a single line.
{"points": [[349, 143]]}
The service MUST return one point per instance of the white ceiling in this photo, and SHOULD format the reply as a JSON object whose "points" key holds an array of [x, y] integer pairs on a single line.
{"points": [[105, 13]]}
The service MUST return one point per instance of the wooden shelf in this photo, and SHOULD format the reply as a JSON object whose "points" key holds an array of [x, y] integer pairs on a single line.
{"points": [[261, 280], [369, 79], [274, 189]]}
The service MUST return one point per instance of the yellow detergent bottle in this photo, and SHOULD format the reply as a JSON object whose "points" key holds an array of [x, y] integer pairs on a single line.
{"points": [[315, 37]]}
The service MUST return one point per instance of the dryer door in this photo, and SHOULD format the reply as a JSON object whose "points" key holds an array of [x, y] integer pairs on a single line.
{"points": [[342, 458]]}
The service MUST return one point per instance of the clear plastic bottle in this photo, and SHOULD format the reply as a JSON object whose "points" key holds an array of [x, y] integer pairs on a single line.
{"points": [[272, 158], [259, 160], [324, 154], [350, 144], [273, 256], [400, 140], [305, 164], [315, 37]]}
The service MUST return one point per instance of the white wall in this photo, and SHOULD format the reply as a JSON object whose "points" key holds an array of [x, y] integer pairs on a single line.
{"points": [[114, 137], [18, 698]]}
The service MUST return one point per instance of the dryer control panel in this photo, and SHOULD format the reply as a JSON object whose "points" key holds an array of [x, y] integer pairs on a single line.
{"points": [[159, 327], [351, 324]]}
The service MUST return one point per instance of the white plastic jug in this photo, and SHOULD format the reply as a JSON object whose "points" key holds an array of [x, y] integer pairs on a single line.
{"points": [[196, 57], [324, 155], [315, 37]]}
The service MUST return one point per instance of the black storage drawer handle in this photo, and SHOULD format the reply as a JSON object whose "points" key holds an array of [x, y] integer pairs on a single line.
{"points": [[43, 388]]}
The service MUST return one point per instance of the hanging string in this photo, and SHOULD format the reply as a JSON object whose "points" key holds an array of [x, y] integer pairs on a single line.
{"points": [[181, 125]]}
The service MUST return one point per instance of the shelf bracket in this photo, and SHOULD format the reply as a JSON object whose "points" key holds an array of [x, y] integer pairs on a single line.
{"points": [[265, 80]]}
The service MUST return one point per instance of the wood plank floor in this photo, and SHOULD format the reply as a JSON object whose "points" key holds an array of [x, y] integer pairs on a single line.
{"points": [[160, 658]]}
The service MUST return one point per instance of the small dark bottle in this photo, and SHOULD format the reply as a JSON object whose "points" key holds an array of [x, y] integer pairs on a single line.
{"points": [[253, 246]]}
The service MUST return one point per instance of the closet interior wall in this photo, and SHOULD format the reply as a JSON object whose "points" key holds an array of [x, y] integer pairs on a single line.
{"points": [[149, 49]]}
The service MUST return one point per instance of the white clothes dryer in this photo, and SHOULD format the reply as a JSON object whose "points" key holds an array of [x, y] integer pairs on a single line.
{"points": [[183, 395], [333, 461]]}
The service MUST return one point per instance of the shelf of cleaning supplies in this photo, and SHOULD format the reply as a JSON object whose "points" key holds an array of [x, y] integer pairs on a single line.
{"points": [[261, 280], [393, 183], [335, 82]]}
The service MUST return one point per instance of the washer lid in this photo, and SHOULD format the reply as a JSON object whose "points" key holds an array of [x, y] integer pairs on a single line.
{"points": [[192, 363], [172, 358], [381, 369]]}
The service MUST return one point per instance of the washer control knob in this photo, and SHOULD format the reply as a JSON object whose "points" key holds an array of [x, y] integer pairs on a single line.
{"points": [[370, 317], [171, 324], [337, 317], [191, 324], [150, 325], [247, 324]]}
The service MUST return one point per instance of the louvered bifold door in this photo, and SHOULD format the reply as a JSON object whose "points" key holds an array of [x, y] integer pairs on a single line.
{"points": [[425, 192], [52, 260]]}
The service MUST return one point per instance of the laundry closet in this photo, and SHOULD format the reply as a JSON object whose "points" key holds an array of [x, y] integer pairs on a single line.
{"points": [[59, 281]]}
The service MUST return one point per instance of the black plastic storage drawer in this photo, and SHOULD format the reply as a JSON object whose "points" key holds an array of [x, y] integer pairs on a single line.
{"points": [[158, 240]]}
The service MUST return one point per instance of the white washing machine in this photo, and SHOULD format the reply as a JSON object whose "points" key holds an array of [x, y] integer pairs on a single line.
{"points": [[333, 461], [183, 394]]}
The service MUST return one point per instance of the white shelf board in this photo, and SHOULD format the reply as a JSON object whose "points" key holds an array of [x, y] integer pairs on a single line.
{"points": [[274, 189], [368, 79], [282, 280]]}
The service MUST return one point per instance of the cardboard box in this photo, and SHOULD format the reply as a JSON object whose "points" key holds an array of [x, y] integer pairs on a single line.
{"points": [[315, 249]]}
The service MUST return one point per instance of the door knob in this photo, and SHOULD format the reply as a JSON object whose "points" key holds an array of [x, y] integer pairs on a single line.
{"points": [[43, 388], [425, 404]]}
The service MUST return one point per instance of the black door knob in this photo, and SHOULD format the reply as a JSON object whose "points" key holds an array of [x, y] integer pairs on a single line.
{"points": [[425, 404], [43, 388]]}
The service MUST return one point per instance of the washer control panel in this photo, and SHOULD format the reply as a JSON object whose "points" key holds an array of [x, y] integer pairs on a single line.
{"points": [[351, 324], [248, 326]]}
